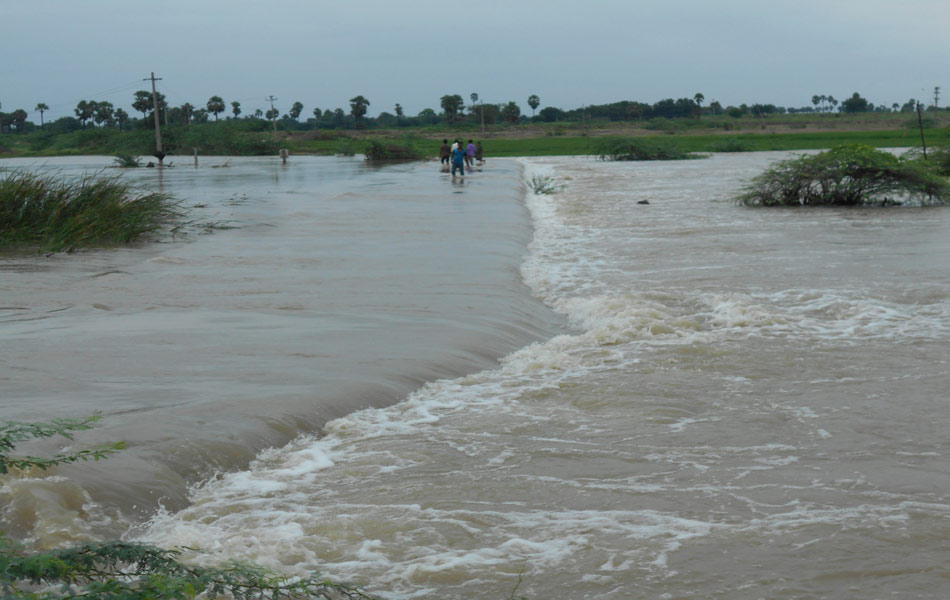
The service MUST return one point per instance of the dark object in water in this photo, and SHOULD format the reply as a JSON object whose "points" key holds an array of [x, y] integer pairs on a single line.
{"points": [[643, 202]]}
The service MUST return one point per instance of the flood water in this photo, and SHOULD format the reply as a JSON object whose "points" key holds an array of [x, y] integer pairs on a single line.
{"points": [[605, 399]]}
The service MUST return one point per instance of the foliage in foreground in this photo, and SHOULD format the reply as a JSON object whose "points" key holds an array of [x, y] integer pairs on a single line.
{"points": [[130, 571], [54, 214], [848, 175], [114, 570], [641, 149], [13, 432]]}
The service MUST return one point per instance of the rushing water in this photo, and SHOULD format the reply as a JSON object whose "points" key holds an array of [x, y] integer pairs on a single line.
{"points": [[744, 403]]}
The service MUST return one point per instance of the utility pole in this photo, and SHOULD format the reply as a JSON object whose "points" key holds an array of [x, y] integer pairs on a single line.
{"points": [[273, 113], [920, 122], [936, 96], [158, 132]]}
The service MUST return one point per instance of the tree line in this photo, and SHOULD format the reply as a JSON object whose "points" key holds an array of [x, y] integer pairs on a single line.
{"points": [[454, 110]]}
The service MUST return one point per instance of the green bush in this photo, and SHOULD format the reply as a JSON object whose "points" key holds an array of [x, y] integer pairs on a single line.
{"points": [[847, 175], [640, 149], [376, 150], [729, 144]]}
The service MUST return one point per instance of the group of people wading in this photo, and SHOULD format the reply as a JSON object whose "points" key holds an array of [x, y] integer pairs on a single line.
{"points": [[460, 155]]}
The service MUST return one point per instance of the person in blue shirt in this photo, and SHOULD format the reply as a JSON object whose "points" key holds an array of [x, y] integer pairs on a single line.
{"points": [[458, 159]]}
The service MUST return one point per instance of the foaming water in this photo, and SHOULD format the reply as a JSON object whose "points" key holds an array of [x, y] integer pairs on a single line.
{"points": [[297, 294], [750, 404]]}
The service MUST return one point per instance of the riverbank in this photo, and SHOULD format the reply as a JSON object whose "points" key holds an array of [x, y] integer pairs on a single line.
{"points": [[256, 138]]}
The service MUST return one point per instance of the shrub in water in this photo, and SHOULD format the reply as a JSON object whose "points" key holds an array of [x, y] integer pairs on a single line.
{"points": [[640, 149], [729, 144], [51, 214], [847, 175]]}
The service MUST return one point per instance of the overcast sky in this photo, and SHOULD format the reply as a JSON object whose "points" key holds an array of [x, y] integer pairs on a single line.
{"points": [[569, 53]]}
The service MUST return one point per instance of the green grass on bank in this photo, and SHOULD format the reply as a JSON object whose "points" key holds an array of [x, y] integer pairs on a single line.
{"points": [[253, 138], [565, 146]]}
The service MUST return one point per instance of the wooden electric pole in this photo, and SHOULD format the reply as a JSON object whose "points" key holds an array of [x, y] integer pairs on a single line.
{"points": [[158, 132]]}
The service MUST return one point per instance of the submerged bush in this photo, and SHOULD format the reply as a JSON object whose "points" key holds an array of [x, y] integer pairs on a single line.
{"points": [[127, 161], [730, 144], [543, 184], [847, 175], [381, 151], [53, 214], [641, 149]]}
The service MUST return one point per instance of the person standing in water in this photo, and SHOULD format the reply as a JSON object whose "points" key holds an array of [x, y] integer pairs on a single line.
{"points": [[470, 154], [445, 153], [479, 153], [458, 159]]}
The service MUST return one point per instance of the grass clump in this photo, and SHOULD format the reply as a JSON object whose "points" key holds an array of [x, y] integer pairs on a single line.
{"points": [[127, 161], [543, 184], [641, 149], [848, 175], [54, 214]]}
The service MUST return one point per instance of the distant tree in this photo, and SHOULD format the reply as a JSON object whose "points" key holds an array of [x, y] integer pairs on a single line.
{"points": [[550, 114], [474, 97], [236, 108], [17, 119], [84, 111], [316, 113], [511, 112], [816, 100], [143, 102], [41, 108], [121, 117], [200, 116], [215, 106], [832, 101], [272, 114], [358, 106], [452, 107], [103, 113], [187, 111], [295, 110], [533, 102], [715, 108], [699, 99], [427, 116], [258, 113], [855, 104], [895, 107], [487, 113], [399, 110]]}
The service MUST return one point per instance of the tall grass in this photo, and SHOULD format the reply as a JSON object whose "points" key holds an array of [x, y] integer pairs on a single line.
{"points": [[49, 213]]}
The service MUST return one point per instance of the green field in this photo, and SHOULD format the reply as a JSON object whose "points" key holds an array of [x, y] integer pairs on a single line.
{"points": [[255, 138]]}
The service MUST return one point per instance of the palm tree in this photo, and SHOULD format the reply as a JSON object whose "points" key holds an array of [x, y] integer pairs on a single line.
{"points": [[41, 108], [358, 107], [698, 99], [215, 105], [189, 110], [121, 116], [236, 108], [533, 102]]}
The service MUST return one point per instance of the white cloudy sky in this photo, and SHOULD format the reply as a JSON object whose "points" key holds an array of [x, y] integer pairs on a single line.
{"points": [[570, 53]]}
